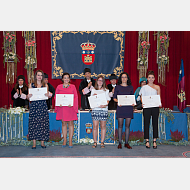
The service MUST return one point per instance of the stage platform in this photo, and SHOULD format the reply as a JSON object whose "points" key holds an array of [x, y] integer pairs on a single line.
{"points": [[86, 151], [16, 127]]}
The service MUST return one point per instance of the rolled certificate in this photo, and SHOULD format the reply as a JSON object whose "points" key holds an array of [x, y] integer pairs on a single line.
{"points": [[126, 100], [64, 99], [151, 101], [97, 100], [38, 93]]}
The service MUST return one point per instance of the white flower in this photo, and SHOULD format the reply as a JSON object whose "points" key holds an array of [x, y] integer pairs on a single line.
{"points": [[163, 55], [91, 141], [139, 59], [141, 63], [81, 140], [85, 141]]}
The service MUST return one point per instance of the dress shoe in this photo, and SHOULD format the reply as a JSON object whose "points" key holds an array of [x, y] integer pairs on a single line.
{"points": [[128, 146], [119, 146], [154, 147]]}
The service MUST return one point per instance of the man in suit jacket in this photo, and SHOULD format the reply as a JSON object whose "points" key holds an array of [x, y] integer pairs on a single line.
{"points": [[85, 88]]}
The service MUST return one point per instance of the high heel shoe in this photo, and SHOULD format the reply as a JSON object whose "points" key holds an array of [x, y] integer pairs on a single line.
{"points": [[147, 146], [102, 145], [119, 146], [95, 145], [43, 146], [128, 146], [34, 147], [154, 147]]}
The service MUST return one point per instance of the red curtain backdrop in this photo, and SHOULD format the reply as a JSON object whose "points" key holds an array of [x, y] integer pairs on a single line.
{"points": [[178, 49]]}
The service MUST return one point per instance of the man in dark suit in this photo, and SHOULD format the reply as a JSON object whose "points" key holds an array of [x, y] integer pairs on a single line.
{"points": [[85, 88]]}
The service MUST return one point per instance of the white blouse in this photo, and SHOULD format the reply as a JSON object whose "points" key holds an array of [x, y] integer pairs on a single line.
{"points": [[146, 90], [106, 91]]}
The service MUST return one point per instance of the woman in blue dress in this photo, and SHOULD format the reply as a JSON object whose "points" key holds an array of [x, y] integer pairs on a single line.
{"points": [[38, 115], [124, 87]]}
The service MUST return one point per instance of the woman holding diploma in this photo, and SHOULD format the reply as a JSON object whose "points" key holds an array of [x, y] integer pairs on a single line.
{"points": [[148, 90], [100, 113], [67, 114], [124, 87], [38, 115]]}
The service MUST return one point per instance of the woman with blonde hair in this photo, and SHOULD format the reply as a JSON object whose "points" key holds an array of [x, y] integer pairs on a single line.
{"points": [[38, 115], [100, 114]]}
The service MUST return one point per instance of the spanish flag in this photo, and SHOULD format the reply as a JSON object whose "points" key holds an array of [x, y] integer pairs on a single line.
{"points": [[181, 99]]}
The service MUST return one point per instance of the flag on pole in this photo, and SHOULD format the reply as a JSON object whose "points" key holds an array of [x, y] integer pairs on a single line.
{"points": [[181, 100]]}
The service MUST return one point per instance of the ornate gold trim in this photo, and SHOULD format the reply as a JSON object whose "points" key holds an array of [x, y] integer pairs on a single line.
{"points": [[57, 35]]}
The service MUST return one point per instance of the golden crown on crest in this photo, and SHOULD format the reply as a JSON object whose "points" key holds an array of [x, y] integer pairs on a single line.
{"points": [[88, 46]]}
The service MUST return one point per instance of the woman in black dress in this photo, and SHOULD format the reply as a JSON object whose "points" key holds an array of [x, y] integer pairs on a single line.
{"points": [[19, 93], [38, 115], [124, 112]]}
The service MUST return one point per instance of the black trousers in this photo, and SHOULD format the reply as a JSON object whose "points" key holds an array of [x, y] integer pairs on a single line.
{"points": [[147, 112]]}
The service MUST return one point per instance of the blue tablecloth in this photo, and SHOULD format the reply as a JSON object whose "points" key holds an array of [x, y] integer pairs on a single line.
{"points": [[85, 124]]}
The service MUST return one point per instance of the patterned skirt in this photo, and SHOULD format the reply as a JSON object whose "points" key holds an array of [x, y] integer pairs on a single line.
{"points": [[38, 121], [100, 115]]}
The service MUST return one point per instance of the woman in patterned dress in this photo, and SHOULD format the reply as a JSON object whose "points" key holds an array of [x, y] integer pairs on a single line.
{"points": [[38, 115], [67, 114], [100, 114]]}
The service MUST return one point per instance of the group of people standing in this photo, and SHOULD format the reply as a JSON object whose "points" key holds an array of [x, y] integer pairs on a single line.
{"points": [[39, 117]]}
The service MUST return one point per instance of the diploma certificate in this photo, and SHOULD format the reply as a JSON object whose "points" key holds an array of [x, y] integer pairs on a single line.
{"points": [[151, 101], [96, 100], [126, 100], [38, 93], [64, 99]]}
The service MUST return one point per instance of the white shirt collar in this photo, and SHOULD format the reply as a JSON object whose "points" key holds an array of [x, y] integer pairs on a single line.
{"points": [[113, 85], [20, 86], [88, 81]]}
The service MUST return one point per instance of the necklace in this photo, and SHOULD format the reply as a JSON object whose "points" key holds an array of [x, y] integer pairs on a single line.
{"points": [[65, 86]]}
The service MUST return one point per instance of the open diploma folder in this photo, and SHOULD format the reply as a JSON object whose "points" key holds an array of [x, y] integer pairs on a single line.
{"points": [[38, 93], [64, 99], [151, 101], [126, 100], [97, 100]]}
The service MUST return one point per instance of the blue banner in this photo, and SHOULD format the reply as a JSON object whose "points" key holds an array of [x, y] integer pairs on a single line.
{"points": [[72, 52]]}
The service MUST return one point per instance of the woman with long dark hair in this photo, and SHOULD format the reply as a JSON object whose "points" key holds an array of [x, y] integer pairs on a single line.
{"points": [[148, 90], [67, 114], [19, 93], [124, 87], [38, 115]]}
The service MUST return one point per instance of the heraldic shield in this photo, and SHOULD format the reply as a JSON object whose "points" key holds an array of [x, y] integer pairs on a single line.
{"points": [[88, 55], [88, 128]]}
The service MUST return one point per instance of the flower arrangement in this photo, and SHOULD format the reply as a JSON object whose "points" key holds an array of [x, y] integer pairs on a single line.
{"points": [[30, 54], [143, 47], [133, 136], [17, 110], [86, 141], [162, 54], [10, 56], [145, 44], [176, 136], [136, 135], [55, 135]]}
